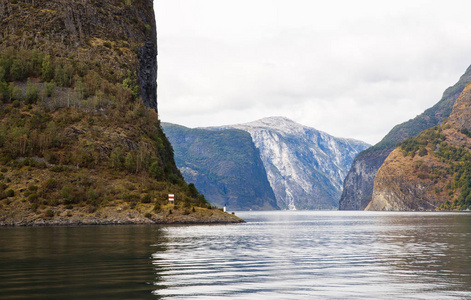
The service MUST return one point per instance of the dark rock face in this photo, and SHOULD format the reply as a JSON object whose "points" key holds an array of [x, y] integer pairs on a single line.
{"points": [[148, 70], [224, 165], [358, 185], [148, 73]]}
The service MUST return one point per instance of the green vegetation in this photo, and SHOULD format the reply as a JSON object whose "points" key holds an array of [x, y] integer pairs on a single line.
{"points": [[459, 161], [358, 194], [466, 132], [456, 159], [76, 140], [49, 213], [418, 145], [76, 134]]}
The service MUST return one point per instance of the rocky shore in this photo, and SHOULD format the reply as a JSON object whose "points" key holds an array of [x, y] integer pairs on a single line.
{"points": [[17, 214]]}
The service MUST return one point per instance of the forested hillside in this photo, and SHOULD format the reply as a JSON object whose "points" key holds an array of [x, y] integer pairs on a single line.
{"points": [[80, 138]]}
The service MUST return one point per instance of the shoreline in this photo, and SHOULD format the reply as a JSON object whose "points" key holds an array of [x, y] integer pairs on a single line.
{"points": [[79, 224], [19, 215]]}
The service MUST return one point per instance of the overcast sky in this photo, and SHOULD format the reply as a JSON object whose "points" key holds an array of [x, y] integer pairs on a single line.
{"points": [[349, 68]]}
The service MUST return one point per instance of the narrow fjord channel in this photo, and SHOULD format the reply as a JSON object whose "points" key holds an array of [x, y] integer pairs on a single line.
{"points": [[275, 255]]}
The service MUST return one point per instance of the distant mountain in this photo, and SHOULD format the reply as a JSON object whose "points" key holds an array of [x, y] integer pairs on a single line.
{"points": [[224, 165], [305, 167], [358, 185], [431, 171], [267, 164]]}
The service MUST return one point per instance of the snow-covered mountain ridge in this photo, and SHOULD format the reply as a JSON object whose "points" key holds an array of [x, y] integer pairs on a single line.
{"points": [[305, 167]]}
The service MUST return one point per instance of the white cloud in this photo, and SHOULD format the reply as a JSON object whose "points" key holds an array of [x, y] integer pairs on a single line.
{"points": [[350, 68]]}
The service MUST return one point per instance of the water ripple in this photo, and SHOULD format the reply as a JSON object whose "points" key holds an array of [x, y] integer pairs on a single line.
{"points": [[335, 255], [275, 255]]}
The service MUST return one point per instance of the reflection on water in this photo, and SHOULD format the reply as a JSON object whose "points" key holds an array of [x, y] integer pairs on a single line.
{"points": [[102, 262], [431, 252], [328, 255], [275, 255]]}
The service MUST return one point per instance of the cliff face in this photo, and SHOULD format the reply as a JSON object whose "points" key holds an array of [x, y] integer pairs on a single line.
{"points": [[305, 167], [397, 187], [460, 117], [271, 163], [148, 73], [117, 38], [358, 185], [80, 139], [431, 171], [224, 165]]}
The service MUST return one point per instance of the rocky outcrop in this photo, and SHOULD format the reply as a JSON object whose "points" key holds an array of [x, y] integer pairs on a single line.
{"points": [[460, 117], [397, 187], [430, 171], [148, 73], [358, 184], [20, 215]]}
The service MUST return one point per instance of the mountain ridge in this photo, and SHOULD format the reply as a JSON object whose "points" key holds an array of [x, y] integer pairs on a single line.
{"points": [[224, 165], [431, 171], [288, 124], [304, 166], [358, 185], [298, 160]]}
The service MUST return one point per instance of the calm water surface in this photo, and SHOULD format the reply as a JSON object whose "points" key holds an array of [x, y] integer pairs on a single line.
{"points": [[275, 255]]}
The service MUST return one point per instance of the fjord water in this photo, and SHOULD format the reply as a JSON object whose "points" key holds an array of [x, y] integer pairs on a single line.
{"points": [[275, 255]]}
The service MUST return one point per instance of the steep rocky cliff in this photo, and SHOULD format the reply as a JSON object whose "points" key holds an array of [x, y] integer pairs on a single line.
{"points": [[224, 165], [431, 171], [305, 167], [358, 184], [80, 139], [267, 164]]}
